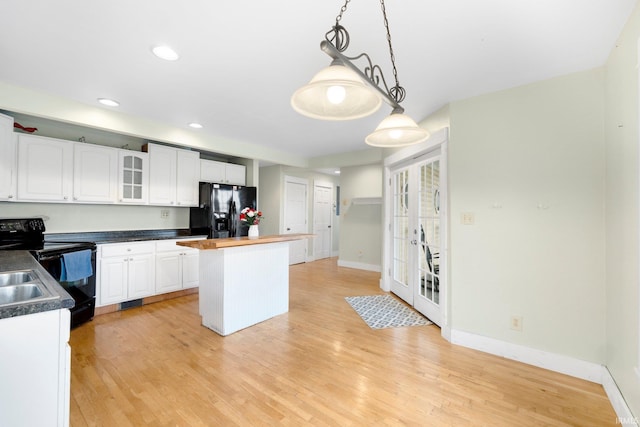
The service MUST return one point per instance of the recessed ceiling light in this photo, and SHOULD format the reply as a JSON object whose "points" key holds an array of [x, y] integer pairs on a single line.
{"points": [[337, 172], [195, 125], [108, 102], [165, 52]]}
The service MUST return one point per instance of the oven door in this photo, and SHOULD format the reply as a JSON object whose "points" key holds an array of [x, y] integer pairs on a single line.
{"points": [[83, 291]]}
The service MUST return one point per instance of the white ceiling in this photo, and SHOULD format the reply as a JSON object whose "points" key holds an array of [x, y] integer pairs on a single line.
{"points": [[241, 60]]}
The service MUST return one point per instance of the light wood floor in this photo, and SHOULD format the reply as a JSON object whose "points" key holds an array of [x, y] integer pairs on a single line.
{"points": [[319, 364]]}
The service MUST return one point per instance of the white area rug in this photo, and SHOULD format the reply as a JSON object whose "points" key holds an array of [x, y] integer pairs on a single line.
{"points": [[385, 311]]}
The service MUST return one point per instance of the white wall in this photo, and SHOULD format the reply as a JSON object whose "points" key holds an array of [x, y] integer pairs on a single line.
{"points": [[69, 218], [527, 162], [622, 231]]}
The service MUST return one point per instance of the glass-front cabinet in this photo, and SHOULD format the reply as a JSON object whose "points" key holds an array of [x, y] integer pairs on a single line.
{"points": [[133, 185]]}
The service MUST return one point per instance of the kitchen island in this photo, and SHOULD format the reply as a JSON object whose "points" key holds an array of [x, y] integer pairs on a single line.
{"points": [[243, 281]]}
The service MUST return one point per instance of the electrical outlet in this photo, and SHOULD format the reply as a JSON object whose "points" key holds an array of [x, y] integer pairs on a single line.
{"points": [[467, 218], [164, 213], [516, 323]]}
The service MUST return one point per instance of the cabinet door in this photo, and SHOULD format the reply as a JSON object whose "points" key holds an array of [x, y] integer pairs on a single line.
{"points": [[236, 174], [7, 159], [133, 177], [95, 171], [141, 276], [212, 171], [45, 169], [188, 177], [113, 280], [162, 175], [190, 269], [168, 274]]}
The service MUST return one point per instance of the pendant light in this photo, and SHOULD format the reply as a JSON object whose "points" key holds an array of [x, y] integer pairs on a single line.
{"points": [[335, 93], [344, 92]]}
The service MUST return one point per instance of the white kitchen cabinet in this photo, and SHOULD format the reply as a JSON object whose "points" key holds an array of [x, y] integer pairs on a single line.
{"points": [[177, 267], [173, 176], [133, 177], [8, 179], [45, 169], [35, 369], [95, 173], [187, 178], [236, 174], [222, 173], [126, 271]]}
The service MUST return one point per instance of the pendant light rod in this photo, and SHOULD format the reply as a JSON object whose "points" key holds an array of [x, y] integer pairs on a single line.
{"points": [[327, 47]]}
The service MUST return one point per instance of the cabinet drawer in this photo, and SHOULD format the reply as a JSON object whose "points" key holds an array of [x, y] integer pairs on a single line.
{"points": [[120, 249]]}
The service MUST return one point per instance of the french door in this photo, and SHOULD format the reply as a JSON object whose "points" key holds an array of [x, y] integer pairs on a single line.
{"points": [[416, 235]]}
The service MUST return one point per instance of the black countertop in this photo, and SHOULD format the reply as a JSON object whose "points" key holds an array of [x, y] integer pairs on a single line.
{"points": [[22, 260], [100, 237]]}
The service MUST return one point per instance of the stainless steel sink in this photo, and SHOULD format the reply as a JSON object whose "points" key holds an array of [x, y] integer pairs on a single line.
{"points": [[17, 277], [19, 293], [22, 286]]}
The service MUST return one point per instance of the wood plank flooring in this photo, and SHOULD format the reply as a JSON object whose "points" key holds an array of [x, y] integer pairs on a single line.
{"points": [[319, 364]]}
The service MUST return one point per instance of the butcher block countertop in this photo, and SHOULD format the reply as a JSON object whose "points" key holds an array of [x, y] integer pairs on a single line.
{"points": [[242, 241]]}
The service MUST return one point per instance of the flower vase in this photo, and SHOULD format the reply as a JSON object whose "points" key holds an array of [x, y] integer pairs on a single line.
{"points": [[253, 231]]}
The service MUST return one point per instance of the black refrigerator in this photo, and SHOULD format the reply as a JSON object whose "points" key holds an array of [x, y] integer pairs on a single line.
{"points": [[218, 213]]}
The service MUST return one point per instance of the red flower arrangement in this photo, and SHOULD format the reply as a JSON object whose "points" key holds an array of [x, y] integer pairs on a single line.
{"points": [[250, 216]]}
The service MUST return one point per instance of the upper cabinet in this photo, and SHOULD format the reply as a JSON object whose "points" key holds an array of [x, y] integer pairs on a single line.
{"points": [[173, 176], [95, 173], [133, 177], [187, 178], [222, 173], [45, 169], [8, 179]]}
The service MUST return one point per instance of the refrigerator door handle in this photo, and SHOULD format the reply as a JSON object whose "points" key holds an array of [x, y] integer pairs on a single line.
{"points": [[232, 219]]}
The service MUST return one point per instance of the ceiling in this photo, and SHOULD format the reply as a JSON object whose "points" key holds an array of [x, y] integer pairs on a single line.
{"points": [[240, 61]]}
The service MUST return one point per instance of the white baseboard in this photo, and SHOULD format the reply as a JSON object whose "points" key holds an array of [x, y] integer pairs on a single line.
{"points": [[625, 417], [554, 362], [359, 265]]}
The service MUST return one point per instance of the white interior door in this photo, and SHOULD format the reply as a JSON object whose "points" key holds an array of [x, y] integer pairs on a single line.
{"points": [[416, 234], [295, 216], [322, 215]]}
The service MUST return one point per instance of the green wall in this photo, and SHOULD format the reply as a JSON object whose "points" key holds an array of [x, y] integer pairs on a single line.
{"points": [[527, 163], [622, 231]]}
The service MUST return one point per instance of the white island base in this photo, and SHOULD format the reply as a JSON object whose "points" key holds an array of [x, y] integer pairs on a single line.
{"points": [[243, 285]]}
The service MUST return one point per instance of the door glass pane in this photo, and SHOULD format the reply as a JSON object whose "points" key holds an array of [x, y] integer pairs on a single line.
{"points": [[429, 221], [126, 176], [126, 191], [137, 163], [401, 227], [128, 161]]}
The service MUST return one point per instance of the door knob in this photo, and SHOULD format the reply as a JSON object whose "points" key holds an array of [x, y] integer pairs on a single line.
{"points": [[288, 229]]}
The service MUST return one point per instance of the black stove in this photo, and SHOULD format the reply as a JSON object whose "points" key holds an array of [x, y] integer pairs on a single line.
{"points": [[28, 234]]}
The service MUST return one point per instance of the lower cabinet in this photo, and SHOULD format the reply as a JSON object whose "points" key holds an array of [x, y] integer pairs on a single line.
{"points": [[125, 272], [35, 369], [128, 271], [177, 267]]}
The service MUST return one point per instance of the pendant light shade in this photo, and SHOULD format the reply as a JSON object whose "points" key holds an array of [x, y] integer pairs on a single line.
{"points": [[335, 93], [397, 130]]}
